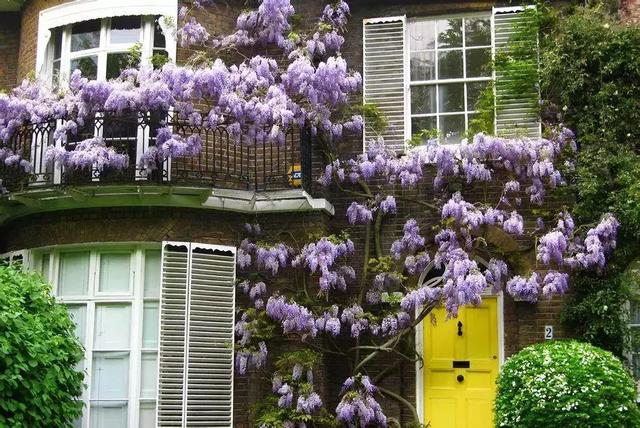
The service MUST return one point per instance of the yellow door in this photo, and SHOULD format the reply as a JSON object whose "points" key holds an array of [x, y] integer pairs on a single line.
{"points": [[461, 365]]}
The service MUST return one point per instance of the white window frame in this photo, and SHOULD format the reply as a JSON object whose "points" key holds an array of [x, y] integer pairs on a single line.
{"points": [[436, 82], [134, 297], [105, 47], [87, 10]]}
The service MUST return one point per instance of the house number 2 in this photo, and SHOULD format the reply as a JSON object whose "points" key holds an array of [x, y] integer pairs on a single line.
{"points": [[548, 332]]}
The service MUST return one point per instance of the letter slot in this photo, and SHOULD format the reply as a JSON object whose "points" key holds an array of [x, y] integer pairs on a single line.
{"points": [[459, 364]]}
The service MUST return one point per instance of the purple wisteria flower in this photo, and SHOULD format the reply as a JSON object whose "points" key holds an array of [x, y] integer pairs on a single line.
{"points": [[359, 214], [514, 224], [410, 241], [293, 317], [388, 205], [322, 257], [354, 317], [246, 358], [552, 248], [90, 153], [358, 407], [329, 322], [527, 289]]}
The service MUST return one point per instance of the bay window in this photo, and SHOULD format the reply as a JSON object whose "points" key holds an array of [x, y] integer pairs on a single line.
{"points": [[113, 297], [157, 347], [101, 48]]}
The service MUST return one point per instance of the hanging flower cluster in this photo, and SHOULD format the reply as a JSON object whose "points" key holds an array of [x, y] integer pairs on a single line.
{"points": [[321, 257], [358, 407], [86, 154], [256, 99], [293, 317], [269, 258]]}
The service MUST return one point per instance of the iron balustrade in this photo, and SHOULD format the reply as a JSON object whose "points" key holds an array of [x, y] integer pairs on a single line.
{"points": [[249, 164]]}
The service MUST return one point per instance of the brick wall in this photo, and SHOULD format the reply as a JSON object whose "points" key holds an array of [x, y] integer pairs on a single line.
{"points": [[9, 44], [29, 34]]}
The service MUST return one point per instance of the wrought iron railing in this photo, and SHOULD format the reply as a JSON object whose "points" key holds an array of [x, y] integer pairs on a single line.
{"points": [[249, 164]]}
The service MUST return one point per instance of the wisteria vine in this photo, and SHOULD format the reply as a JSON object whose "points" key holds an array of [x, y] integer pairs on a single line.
{"points": [[454, 238]]}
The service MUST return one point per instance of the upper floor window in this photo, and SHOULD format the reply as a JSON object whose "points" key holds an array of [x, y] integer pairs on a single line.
{"points": [[449, 62], [102, 48], [428, 73]]}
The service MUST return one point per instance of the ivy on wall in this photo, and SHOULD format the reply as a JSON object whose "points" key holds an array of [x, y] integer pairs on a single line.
{"points": [[590, 81]]}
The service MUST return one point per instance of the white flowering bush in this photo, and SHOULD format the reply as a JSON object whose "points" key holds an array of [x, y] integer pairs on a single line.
{"points": [[565, 384]]}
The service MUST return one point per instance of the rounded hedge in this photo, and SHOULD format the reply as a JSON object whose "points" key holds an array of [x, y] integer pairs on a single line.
{"points": [[565, 384], [39, 353]]}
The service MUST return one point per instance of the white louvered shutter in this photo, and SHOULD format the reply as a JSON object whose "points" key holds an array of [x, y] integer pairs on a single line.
{"points": [[195, 371], [384, 79], [516, 113]]}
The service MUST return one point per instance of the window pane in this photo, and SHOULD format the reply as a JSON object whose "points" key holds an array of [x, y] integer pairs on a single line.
{"points": [[452, 127], [423, 65], [450, 64], [423, 99], [422, 35], [477, 31], [478, 61], [451, 97], [116, 63], [148, 375], [125, 29], [88, 65], [78, 314], [46, 263], [110, 377], [109, 414], [150, 325], [423, 124], [450, 33], [115, 270], [112, 326], [474, 90], [57, 43], [85, 35], [159, 41], [73, 279], [152, 273], [147, 415]]}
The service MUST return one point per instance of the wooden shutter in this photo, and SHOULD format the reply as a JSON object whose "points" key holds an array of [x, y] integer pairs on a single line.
{"points": [[516, 113], [385, 76], [195, 370]]}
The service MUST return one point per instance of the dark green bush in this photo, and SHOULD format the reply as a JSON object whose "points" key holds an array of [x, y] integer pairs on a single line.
{"points": [[38, 355], [565, 384]]}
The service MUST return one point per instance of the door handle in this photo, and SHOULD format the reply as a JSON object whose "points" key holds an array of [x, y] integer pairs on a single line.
{"points": [[459, 328], [460, 378]]}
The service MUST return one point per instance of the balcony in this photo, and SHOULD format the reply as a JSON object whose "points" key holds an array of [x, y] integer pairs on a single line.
{"points": [[247, 175]]}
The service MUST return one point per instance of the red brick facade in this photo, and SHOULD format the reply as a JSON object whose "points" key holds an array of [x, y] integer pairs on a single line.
{"points": [[9, 45], [523, 323]]}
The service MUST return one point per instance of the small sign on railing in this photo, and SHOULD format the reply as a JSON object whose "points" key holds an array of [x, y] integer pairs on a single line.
{"points": [[295, 175]]}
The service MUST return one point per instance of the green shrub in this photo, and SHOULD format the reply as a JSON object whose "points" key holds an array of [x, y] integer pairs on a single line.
{"points": [[565, 384], [38, 355]]}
